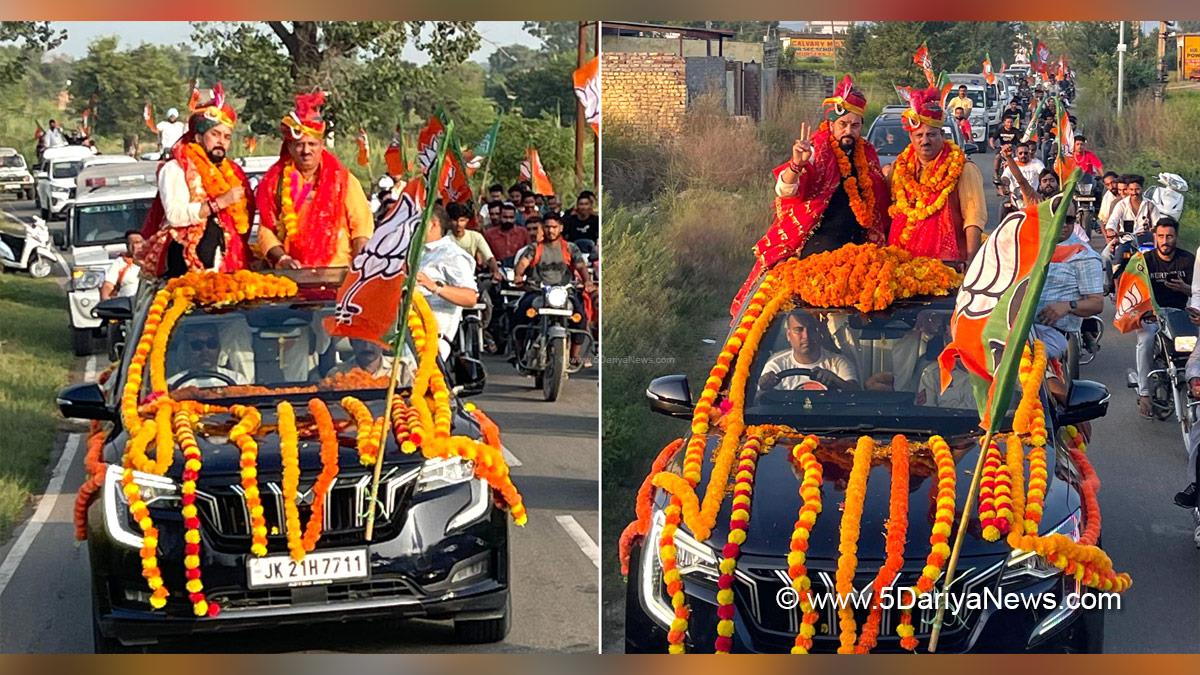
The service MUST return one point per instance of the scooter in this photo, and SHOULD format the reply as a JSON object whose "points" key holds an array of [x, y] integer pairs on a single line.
{"points": [[35, 253], [1168, 195], [1084, 199]]}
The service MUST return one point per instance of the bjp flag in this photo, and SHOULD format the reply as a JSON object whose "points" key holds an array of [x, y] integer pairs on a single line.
{"points": [[988, 74], [369, 299], [587, 90], [1134, 295], [148, 117], [921, 58], [364, 148], [533, 171]]}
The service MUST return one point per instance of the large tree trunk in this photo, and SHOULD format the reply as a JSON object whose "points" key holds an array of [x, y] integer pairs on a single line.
{"points": [[304, 48]]}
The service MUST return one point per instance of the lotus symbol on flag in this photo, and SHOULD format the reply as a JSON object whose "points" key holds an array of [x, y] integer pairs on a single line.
{"points": [[1130, 301], [427, 153], [589, 96], [385, 254], [992, 271]]}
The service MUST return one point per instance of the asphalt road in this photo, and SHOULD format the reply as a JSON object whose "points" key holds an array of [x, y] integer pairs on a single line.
{"points": [[45, 603], [1141, 465]]}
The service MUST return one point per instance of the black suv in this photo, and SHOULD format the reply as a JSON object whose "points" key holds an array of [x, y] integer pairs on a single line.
{"points": [[902, 342], [440, 546]]}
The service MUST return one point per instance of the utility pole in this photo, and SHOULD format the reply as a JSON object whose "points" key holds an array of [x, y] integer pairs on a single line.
{"points": [[1120, 68], [1160, 72]]}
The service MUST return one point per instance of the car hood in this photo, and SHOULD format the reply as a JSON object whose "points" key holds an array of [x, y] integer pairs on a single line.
{"points": [[95, 256], [776, 502], [221, 457], [14, 173]]}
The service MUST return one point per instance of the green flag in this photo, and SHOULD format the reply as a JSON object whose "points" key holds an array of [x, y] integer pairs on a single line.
{"points": [[488, 143]]}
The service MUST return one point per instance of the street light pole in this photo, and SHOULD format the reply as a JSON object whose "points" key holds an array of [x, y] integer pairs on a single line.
{"points": [[1120, 69], [1160, 72]]}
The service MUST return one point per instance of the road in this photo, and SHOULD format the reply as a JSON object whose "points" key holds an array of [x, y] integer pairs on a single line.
{"points": [[45, 606], [1141, 464]]}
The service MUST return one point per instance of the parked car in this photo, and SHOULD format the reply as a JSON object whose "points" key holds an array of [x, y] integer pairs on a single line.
{"points": [[985, 109], [440, 546], [889, 137], [111, 199], [14, 174]]}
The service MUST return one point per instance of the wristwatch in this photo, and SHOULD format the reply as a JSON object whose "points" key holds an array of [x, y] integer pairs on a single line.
{"points": [[438, 286], [1074, 305]]}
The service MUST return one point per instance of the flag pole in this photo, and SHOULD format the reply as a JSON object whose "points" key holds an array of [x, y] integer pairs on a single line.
{"points": [[410, 287]]}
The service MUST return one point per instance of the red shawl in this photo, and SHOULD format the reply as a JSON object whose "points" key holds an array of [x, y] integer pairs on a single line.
{"points": [[317, 234], [797, 216], [159, 235]]}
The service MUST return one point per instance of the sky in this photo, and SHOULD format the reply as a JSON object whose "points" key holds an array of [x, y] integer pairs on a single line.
{"points": [[132, 33]]}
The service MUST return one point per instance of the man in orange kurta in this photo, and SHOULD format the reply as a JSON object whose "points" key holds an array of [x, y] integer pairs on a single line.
{"points": [[313, 211]]}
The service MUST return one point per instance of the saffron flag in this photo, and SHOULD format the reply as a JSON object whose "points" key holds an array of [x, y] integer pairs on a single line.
{"points": [[85, 122], [587, 90], [1043, 54], [1064, 162], [148, 117], [921, 58], [1003, 66], [250, 143], [38, 132], [364, 148], [452, 184], [369, 298], [987, 69], [533, 171], [1134, 295], [998, 299], [1032, 126], [193, 94]]}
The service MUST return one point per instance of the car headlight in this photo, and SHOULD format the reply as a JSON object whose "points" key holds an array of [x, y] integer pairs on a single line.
{"points": [[26, 178], [691, 558], [557, 297], [1027, 564], [154, 490], [86, 279], [1185, 343], [1085, 189], [444, 472]]}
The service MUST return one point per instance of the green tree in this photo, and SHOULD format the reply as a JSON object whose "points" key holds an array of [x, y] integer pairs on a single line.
{"points": [[360, 63], [547, 89], [556, 36], [511, 58], [116, 84], [31, 39]]}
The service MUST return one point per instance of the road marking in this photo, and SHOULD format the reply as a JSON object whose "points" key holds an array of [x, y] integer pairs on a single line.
{"points": [[48, 501], [582, 540], [510, 458]]}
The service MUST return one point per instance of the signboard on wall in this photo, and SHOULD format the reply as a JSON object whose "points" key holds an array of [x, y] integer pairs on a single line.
{"points": [[1190, 63], [820, 46]]}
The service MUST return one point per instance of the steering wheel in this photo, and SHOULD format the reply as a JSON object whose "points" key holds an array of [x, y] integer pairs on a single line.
{"points": [[805, 372], [190, 375]]}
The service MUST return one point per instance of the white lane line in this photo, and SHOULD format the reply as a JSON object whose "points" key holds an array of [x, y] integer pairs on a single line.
{"points": [[46, 505], [582, 540], [510, 458]]}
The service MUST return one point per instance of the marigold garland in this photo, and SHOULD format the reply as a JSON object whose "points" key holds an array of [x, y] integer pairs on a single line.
{"points": [[368, 444], [673, 580], [645, 505], [859, 186], [183, 422], [995, 495], [149, 550], [287, 203], [739, 520], [919, 197], [217, 179], [939, 537], [856, 494], [865, 276], [897, 531], [95, 469], [242, 435], [810, 493], [329, 471], [289, 456]]}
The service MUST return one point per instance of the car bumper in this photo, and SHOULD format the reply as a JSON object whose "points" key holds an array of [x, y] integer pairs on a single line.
{"points": [[82, 303]]}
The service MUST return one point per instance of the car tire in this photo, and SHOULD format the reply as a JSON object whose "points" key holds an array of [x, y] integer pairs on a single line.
{"points": [[484, 631], [82, 343]]}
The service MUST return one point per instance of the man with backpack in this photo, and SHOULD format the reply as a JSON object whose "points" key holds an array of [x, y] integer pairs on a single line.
{"points": [[553, 262]]}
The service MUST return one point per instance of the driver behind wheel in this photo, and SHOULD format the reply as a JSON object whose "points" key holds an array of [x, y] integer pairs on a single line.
{"points": [[203, 344], [810, 350]]}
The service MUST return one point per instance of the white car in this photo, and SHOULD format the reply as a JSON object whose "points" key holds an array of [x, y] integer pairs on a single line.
{"points": [[14, 174], [56, 178], [112, 199]]}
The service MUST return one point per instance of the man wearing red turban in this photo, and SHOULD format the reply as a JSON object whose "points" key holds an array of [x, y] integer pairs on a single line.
{"points": [[313, 212], [201, 219], [938, 208], [830, 193]]}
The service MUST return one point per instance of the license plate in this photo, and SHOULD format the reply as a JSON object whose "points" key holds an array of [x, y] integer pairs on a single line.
{"points": [[322, 567], [1085, 199]]}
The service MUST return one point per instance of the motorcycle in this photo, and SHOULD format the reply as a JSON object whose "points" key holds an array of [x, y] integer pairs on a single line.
{"points": [[1125, 245], [1084, 200], [466, 363], [504, 311], [546, 342], [35, 253], [1173, 344]]}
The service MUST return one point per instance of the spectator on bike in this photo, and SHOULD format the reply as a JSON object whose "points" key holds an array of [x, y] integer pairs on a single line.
{"points": [[1133, 209], [1112, 193], [964, 125], [553, 262], [1086, 159], [446, 279], [581, 226], [1187, 498], [1003, 136], [1074, 290], [505, 239], [1170, 270], [529, 207], [1019, 159]]}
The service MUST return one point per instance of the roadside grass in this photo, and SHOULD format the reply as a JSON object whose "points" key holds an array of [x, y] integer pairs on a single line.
{"points": [[35, 358]]}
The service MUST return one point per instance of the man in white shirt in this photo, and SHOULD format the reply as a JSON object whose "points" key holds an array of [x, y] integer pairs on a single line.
{"points": [[1144, 214], [1111, 196], [121, 278], [170, 131], [203, 370], [446, 279], [1031, 168], [54, 136], [828, 369]]}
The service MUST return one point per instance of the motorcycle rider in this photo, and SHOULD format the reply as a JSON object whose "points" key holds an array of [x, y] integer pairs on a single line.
{"points": [[476, 246], [1132, 214], [1019, 159], [553, 262], [1170, 270], [1112, 193], [446, 279]]}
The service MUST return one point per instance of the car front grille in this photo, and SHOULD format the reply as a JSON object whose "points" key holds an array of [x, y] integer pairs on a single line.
{"points": [[226, 518], [275, 598]]}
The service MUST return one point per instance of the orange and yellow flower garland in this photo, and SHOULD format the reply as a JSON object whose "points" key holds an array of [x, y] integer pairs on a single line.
{"points": [[995, 495], [191, 519], [671, 577], [856, 494], [289, 458], [242, 435], [739, 520], [920, 196], [368, 438], [149, 551], [329, 471], [858, 185], [644, 504], [287, 203], [810, 493], [897, 531], [939, 537], [864, 276], [218, 179]]}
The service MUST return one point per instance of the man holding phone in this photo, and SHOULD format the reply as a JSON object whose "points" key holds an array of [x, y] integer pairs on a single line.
{"points": [[1170, 271]]}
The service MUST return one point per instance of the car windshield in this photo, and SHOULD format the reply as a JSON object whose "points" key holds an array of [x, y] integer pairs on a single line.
{"points": [[271, 349], [888, 360], [66, 169], [976, 96], [108, 223], [888, 137], [12, 162]]}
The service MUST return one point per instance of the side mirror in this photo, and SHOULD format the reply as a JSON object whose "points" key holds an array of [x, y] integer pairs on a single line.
{"points": [[670, 395], [1087, 401], [970, 148], [114, 309], [40, 175], [84, 401]]}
